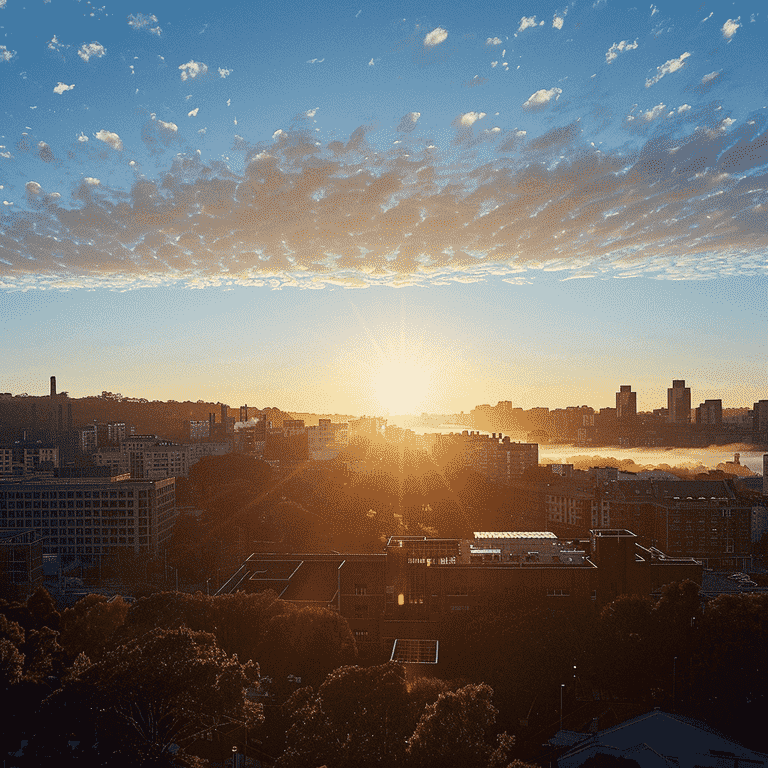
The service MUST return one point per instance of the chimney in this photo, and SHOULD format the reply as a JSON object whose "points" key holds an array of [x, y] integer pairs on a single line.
{"points": [[53, 386]]}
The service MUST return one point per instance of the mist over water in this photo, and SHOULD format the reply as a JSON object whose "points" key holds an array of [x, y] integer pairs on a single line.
{"points": [[687, 458]]}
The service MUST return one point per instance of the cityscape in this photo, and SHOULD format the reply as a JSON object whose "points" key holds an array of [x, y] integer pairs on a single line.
{"points": [[384, 384], [390, 546]]}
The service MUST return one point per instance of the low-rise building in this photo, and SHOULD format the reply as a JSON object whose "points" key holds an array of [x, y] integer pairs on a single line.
{"points": [[21, 562]]}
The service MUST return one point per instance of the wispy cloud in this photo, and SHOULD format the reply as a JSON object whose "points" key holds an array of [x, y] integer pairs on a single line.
{"points": [[667, 68], [5, 54], [94, 50], [141, 21], [618, 48], [542, 98]]}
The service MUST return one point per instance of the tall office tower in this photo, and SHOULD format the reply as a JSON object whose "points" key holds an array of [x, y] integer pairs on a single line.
{"points": [[760, 422], [626, 402], [679, 403], [53, 386]]}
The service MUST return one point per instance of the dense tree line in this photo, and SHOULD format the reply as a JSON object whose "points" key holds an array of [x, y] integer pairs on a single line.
{"points": [[148, 683]]}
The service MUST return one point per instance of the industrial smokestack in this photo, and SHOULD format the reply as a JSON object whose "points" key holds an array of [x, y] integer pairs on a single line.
{"points": [[53, 386]]}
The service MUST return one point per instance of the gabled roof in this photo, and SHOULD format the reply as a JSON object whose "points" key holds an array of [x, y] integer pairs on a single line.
{"points": [[658, 738]]}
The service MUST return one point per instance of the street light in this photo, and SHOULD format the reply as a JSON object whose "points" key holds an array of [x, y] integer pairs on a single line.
{"points": [[234, 756], [562, 685], [674, 683]]}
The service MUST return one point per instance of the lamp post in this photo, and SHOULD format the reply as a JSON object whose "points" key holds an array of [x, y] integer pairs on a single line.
{"points": [[674, 683], [234, 756], [562, 685]]}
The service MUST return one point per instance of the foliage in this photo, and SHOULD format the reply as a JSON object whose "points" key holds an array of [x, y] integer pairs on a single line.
{"points": [[455, 730], [89, 625]]}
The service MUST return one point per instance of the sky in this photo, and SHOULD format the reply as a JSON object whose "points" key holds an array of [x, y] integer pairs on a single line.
{"points": [[384, 208]]}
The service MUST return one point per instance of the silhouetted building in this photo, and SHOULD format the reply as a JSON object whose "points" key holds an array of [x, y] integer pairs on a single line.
{"points": [[626, 403], [710, 413], [679, 403], [760, 422], [21, 562], [412, 591]]}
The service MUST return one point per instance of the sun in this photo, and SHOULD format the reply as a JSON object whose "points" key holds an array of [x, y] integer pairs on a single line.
{"points": [[401, 384]]}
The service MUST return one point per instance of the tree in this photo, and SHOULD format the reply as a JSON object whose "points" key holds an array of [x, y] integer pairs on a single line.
{"points": [[455, 730], [164, 689], [89, 625], [357, 717]]}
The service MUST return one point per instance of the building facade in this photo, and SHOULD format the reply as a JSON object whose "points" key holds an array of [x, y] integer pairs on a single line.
{"points": [[679, 403], [86, 518]]}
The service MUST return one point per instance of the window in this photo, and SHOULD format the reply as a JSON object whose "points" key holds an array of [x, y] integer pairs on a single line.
{"points": [[558, 593], [361, 589], [361, 611], [361, 635]]}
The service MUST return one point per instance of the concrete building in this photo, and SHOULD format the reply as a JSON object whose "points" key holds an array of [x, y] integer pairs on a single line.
{"points": [[84, 518], [411, 590], [679, 403], [23, 458], [710, 413], [21, 563], [760, 422], [626, 403], [325, 440]]}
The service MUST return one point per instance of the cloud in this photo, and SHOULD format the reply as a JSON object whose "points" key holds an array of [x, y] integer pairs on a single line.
{"points": [[44, 152], [542, 98], [370, 63], [648, 116], [408, 122], [61, 88], [110, 138], [493, 41], [82, 137], [193, 113], [193, 69], [730, 27], [675, 207], [225, 72], [526, 22], [55, 45], [435, 37], [94, 50], [168, 126], [667, 68], [141, 21], [617, 48], [5, 54], [468, 119], [316, 61], [557, 22]]}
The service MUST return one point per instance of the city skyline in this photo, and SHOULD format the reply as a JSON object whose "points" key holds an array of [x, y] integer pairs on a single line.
{"points": [[406, 209]]}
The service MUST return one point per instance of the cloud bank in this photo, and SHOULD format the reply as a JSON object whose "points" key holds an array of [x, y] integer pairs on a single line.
{"points": [[348, 213]]}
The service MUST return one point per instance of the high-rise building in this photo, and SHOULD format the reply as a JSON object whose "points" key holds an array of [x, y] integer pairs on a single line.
{"points": [[679, 403], [760, 422], [626, 403], [710, 412]]}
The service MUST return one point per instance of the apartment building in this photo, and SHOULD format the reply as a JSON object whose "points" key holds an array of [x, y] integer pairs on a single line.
{"points": [[23, 458], [85, 518]]}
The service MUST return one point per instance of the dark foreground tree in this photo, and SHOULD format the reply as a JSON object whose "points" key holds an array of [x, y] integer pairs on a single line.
{"points": [[159, 692]]}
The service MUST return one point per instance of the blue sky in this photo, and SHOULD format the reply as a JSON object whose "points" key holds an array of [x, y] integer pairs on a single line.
{"points": [[311, 207]]}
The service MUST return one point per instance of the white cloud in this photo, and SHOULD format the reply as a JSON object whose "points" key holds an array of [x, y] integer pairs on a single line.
{"points": [[542, 98], [652, 114], [225, 72], [708, 78], [730, 27], [2, 3], [408, 122], [654, 10], [168, 126], [370, 63], [667, 68], [140, 21], [469, 118], [82, 137], [61, 87], [91, 50], [526, 22], [494, 63], [194, 112], [33, 188], [55, 45], [557, 22], [708, 17], [110, 138], [5, 54], [683, 108], [311, 112], [617, 48], [316, 61], [193, 69], [435, 37], [278, 133], [493, 41], [91, 182]]}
